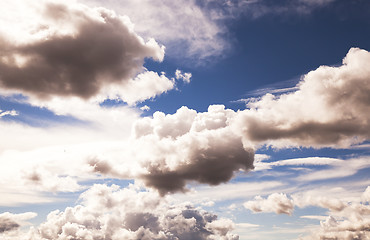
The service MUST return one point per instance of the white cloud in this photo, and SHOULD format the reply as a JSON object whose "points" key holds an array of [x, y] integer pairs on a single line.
{"points": [[10, 224], [67, 49], [189, 146], [175, 23], [8, 113], [144, 86], [183, 76], [114, 213], [145, 108], [329, 109], [276, 202]]}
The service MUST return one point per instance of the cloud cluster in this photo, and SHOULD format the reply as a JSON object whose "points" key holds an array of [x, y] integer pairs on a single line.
{"points": [[108, 212], [347, 219], [10, 222], [187, 146], [329, 108], [68, 49], [276, 202]]}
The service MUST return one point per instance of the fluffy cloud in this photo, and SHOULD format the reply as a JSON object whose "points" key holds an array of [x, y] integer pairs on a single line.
{"points": [[276, 202], [8, 113], [347, 220], [184, 76], [165, 152], [173, 150], [114, 213], [68, 49], [11, 222], [329, 108]]}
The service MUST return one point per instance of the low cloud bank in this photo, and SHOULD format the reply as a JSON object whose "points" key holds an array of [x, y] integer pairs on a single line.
{"points": [[108, 212]]}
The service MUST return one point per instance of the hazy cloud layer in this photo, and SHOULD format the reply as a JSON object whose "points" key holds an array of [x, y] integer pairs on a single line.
{"points": [[330, 108], [113, 213], [69, 50], [175, 23]]}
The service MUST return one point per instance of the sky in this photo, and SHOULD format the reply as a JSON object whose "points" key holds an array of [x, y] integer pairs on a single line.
{"points": [[187, 119]]}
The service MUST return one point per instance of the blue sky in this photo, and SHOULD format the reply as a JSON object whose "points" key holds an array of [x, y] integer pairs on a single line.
{"points": [[207, 119]]}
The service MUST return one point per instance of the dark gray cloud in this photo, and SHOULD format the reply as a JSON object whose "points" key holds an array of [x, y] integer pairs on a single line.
{"points": [[213, 165], [99, 49], [10, 222], [7, 224]]}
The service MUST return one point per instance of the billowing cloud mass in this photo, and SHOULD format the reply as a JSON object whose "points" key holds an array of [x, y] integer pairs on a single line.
{"points": [[69, 49], [330, 108], [172, 150], [108, 212]]}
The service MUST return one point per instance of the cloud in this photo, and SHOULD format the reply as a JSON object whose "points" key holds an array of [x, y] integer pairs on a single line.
{"points": [[12, 222], [114, 213], [183, 76], [352, 221], [8, 113], [276, 202], [335, 168], [329, 108], [145, 86], [189, 146], [262, 8], [345, 220], [71, 50], [145, 108], [192, 27]]}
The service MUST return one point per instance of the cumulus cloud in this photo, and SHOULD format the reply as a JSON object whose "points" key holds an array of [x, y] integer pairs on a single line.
{"points": [[165, 152], [329, 108], [188, 146], [183, 76], [349, 220], [68, 49], [276, 202], [114, 213]]}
